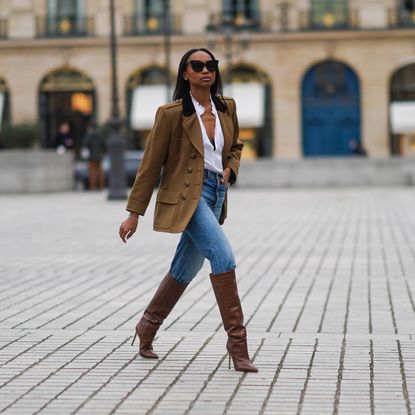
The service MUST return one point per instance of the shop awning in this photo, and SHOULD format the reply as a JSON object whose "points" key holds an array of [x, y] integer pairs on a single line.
{"points": [[402, 115], [250, 103], [145, 101], [249, 97], [2, 96]]}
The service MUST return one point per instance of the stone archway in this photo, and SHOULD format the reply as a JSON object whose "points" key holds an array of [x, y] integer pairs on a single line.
{"points": [[331, 123], [4, 103], [252, 91], [66, 95], [402, 111]]}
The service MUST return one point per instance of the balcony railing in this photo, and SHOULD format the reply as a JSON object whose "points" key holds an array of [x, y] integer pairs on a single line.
{"points": [[237, 22], [3, 29], [144, 25], [405, 18], [281, 20], [64, 26], [344, 19]]}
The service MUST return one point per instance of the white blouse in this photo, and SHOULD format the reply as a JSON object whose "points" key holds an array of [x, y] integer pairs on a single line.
{"points": [[213, 156]]}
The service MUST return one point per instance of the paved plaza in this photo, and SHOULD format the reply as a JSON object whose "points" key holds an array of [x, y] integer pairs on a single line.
{"points": [[326, 278]]}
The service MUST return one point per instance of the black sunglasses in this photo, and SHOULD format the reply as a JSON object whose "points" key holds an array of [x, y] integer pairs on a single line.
{"points": [[211, 65]]}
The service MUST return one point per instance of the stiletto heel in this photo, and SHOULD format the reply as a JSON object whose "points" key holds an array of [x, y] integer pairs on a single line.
{"points": [[226, 293], [163, 301]]}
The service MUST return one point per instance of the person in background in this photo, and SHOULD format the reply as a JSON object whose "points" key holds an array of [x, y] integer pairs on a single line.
{"points": [[95, 145], [63, 139], [357, 149]]}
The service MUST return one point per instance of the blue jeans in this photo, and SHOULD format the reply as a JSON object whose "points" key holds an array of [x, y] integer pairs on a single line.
{"points": [[203, 236]]}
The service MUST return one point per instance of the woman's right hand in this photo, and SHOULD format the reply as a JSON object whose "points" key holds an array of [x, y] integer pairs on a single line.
{"points": [[128, 228]]}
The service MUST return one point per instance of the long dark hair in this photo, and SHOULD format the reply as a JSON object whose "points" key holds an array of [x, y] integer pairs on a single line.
{"points": [[182, 89]]}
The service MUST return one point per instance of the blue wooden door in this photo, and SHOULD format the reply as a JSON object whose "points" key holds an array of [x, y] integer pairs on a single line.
{"points": [[330, 110]]}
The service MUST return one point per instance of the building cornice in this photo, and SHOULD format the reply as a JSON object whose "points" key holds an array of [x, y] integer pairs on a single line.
{"points": [[261, 37]]}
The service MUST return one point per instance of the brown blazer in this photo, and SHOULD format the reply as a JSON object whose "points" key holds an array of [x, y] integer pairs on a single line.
{"points": [[175, 147]]}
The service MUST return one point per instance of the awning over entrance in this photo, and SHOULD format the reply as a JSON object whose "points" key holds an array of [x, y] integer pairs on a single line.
{"points": [[250, 103], [249, 97], [2, 99], [144, 103], [403, 117]]}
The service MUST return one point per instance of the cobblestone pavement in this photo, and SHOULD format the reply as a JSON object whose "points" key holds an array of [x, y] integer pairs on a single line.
{"points": [[327, 281]]}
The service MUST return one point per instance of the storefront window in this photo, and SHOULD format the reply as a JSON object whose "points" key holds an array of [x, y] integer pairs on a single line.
{"points": [[66, 96], [4, 103], [402, 110], [146, 91]]}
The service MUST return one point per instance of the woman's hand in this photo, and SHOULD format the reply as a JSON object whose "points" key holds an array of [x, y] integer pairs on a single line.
{"points": [[226, 175], [128, 228]]}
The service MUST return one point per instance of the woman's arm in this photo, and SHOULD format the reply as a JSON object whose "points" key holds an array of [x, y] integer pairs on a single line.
{"points": [[150, 167]]}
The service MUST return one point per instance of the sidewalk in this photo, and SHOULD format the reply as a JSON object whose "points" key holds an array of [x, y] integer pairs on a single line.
{"points": [[326, 277]]}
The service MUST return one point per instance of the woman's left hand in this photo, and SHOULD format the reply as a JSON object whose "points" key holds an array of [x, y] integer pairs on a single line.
{"points": [[226, 175]]}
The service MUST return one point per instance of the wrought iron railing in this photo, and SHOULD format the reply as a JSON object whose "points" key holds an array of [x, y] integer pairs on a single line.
{"points": [[405, 17], [150, 24], [3, 29], [341, 18], [281, 20], [240, 22], [64, 26]]}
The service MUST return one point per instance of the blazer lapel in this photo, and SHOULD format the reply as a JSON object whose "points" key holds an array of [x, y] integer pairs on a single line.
{"points": [[192, 130], [227, 129]]}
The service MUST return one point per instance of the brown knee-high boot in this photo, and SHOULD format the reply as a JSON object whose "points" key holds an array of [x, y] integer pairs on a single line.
{"points": [[226, 292], [163, 301]]}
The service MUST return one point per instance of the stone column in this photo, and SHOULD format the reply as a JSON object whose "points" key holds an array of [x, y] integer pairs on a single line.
{"points": [[374, 93]]}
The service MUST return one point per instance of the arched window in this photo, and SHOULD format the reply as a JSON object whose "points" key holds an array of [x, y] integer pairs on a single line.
{"points": [[402, 110], [251, 90], [66, 95], [4, 103], [146, 91]]}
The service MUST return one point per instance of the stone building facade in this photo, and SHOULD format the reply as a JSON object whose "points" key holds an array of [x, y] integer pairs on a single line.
{"points": [[311, 77]]}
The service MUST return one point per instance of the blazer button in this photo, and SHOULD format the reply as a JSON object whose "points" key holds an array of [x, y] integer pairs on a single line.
{"points": [[193, 156], [183, 197], [189, 169], [187, 183]]}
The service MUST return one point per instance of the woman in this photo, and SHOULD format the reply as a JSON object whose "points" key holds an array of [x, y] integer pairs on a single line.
{"points": [[194, 142]]}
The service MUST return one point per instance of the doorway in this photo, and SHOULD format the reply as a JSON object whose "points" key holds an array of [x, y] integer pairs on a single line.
{"points": [[330, 110]]}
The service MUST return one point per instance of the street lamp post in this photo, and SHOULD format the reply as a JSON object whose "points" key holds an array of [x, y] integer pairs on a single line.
{"points": [[117, 178], [167, 46], [228, 28]]}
